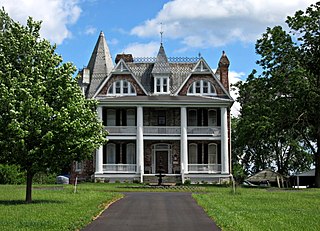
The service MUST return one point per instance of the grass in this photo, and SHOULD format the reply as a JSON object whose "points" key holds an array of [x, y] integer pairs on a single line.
{"points": [[53, 208], [262, 209], [58, 208]]}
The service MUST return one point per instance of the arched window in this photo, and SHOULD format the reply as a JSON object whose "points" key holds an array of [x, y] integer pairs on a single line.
{"points": [[111, 153], [212, 117], [121, 87], [131, 153], [201, 87], [192, 117], [192, 155], [212, 154]]}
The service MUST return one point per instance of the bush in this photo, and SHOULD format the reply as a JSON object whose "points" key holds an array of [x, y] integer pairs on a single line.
{"points": [[44, 178], [11, 174]]}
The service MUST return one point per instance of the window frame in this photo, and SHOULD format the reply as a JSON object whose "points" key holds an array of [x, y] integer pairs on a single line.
{"points": [[118, 88], [161, 83], [198, 88]]}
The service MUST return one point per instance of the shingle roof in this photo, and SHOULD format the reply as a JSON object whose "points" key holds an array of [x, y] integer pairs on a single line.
{"points": [[100, 64]]}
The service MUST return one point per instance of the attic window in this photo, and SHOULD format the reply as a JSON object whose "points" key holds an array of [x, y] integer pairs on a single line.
{"points": [[161, 85], [121, 87], [201, 87]]}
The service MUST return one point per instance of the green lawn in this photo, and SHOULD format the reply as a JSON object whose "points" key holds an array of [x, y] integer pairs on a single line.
{"points": [[262, 209], [57, 208], [53, 207]]}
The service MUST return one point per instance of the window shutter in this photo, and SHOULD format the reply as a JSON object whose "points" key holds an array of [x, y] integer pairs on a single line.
{"points": [[205, 147], [124, 153]]}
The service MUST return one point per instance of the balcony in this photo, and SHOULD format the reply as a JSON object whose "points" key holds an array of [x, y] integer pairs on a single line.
{"points": [[119, 168], [196, 131], [121, 130], [168, 131], [204, 168], [163, 131]]}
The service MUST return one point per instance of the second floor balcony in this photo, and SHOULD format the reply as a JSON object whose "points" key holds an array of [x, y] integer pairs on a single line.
{"points": [[214, 131]]}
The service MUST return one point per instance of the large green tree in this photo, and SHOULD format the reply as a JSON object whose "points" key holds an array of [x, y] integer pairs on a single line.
{"points": [[281, 106], [45, 121]]}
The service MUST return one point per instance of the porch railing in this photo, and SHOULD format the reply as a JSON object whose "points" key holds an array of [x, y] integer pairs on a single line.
{"points": [[153, 130], [204, 168], [213, 131], [122, 130], [119, 168], [158, 130]]}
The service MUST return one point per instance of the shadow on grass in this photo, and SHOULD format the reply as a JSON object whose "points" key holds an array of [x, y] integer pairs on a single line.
{"points": [[22, 202]]}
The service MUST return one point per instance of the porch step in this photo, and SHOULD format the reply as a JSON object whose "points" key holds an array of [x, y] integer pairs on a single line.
{"points": [[165, 179]]}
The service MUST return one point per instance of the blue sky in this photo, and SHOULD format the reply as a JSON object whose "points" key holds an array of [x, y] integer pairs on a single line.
{"points": [[190, 27]]}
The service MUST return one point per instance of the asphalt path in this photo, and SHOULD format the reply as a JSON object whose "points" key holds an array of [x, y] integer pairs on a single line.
{"points": [[152, 211]]}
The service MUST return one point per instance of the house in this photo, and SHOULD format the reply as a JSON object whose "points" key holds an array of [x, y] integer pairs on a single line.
{"points": [[169, 115]]}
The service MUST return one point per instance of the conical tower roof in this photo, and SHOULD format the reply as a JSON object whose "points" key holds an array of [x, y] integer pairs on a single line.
{"points": [[100, 64], [161, 66]]}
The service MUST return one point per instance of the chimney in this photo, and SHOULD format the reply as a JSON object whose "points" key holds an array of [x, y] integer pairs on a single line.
{"points": [[224, 70], [126, 57]]}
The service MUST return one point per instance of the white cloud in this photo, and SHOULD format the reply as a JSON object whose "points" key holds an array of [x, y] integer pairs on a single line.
{"points": [[55, 15], [212, 23], [142, 49], [90, 30], [235, 77]]}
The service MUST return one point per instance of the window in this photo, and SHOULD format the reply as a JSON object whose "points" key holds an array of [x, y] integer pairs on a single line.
{"points": [[192, 117], [212, 154], [131, 117], [161, 85], [121, 87], [111, 117], [131, 153], [111, 154], [78, 167], [193, 154], [201, 87], [212, 117]]}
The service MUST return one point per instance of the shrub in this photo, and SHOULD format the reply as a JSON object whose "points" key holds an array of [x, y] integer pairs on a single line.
{"points": [[11, 174], [44, 178]]}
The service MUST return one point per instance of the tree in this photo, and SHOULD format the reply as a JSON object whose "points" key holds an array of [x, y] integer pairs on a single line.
{"points": [[45, 120], [285, 98]]}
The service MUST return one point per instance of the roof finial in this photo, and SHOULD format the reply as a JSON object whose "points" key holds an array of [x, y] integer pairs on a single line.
{"points": [[161, 33]]}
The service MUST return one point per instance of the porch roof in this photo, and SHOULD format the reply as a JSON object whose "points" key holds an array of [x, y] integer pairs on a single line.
{"points": [[166, 100]]}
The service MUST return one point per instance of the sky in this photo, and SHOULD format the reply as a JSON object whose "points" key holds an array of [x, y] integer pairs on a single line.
{"points": [[190, 27]]}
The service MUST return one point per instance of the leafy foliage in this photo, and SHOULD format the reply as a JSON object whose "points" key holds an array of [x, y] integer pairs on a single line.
{"points": [[45, 121], [280, 124], [11, 174]]}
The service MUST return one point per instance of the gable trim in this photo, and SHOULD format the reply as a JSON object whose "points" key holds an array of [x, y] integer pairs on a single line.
{"points": [[120, 68]]}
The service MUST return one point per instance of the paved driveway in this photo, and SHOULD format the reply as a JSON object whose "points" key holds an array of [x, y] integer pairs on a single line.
{"points": [[153, 211]]}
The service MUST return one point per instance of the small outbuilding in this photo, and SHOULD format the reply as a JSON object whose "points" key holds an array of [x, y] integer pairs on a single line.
{"points": [[268, 177], [305, 179]]}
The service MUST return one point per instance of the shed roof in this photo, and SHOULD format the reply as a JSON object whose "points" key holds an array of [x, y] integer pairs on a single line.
{"points": [[266, 174]]}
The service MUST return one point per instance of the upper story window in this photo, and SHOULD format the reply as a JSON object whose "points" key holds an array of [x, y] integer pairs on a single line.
{"points": [[121, 87], [201, 87], [161, 85]]}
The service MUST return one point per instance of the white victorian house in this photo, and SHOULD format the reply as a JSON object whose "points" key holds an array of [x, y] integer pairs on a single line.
{"points": [[162, 114]]}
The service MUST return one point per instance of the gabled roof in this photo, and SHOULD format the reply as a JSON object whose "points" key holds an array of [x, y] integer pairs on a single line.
{"points": [[120, 68], [100, 64], [202, 67]]}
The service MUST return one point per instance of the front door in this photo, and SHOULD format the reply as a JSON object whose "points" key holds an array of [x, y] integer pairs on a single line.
{"points": [[162, 161]]}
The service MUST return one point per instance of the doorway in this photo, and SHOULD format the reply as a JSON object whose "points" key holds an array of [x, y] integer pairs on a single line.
{"points": [[161, 161]]}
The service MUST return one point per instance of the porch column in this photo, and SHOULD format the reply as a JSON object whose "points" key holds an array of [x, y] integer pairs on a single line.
{"points": [[140, 150], [99, 151], [184, 142], [224, 142]]}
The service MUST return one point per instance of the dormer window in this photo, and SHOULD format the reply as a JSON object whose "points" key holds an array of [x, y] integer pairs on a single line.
{"points": [[121, 87], [161, 85], [201, 87]]}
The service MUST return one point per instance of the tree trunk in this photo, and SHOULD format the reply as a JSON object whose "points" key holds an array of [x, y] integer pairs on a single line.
{"points": [[29, 187]]}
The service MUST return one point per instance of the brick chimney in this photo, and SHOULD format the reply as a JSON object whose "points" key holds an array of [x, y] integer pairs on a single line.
{"points": [[223, 70], [126, 57]]}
